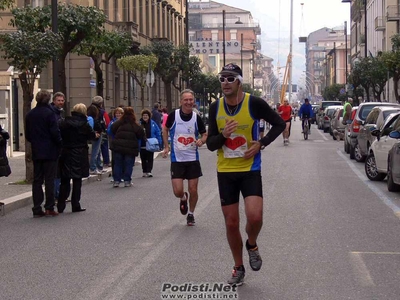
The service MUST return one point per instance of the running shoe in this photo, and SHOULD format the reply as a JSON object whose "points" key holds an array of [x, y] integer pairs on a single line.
{"points": [[254, 259], [149, 175], [190, 220], [183, 204], [237, 277]]}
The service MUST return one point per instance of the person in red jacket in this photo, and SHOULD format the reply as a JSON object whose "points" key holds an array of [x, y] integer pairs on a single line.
{"points": [[285, 111]]}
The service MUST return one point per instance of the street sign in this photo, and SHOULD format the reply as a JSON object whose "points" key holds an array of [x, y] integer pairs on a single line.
{"points": [[150, 79], [92, 83], [342, 91]]}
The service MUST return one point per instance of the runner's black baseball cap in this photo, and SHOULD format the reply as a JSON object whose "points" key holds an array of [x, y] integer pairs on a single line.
{"points": [[231, 69]]}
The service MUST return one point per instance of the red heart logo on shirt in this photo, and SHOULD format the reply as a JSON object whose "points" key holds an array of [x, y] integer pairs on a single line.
{"points": [[185, 141], [235, 142]]}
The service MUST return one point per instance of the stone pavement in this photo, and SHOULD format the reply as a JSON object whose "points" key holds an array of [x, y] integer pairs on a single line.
{"points": [[14, 193]]}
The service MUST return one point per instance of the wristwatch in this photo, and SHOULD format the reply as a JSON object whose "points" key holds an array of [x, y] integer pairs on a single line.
{"points": [[262, 145]]}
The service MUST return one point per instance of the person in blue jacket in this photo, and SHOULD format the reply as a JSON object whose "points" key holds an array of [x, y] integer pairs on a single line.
{"points": [[152, 130], [305, 112]]}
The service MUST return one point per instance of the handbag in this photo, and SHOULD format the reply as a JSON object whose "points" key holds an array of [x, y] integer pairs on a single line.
{"points": [[152, 145]]}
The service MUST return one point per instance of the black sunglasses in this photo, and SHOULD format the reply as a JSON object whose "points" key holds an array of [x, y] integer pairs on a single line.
{"points": [[229, 79]]}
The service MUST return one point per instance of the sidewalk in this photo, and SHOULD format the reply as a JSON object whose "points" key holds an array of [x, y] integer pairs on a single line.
{"points": [[14, 194]]}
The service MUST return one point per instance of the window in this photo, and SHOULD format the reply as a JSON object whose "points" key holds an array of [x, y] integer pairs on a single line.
{"points": [[106, 8], [212, 60], [233, 34], [37, 3]]}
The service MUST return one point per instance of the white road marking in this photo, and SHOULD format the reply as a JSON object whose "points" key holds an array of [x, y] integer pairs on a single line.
{"points": [[360, 269], [117, 281], [385, 199]]}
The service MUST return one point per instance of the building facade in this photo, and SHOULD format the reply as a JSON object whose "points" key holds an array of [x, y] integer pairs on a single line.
{"points": [[211, 23], [145, 20]]}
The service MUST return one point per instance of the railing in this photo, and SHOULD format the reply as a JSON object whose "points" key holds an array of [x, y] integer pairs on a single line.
{"points": [[232, 25], [393, 13]]}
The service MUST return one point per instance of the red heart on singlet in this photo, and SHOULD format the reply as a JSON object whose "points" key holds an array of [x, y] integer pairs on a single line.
{"points": [[185, 141], [235, 142]]}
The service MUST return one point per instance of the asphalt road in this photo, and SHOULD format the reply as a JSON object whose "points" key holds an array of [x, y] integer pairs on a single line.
{"points": [[329, 233]]}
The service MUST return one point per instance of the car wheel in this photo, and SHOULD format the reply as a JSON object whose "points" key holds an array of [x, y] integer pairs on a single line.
{"points": [[346, 146], [392, 187], [357, 154], [334, 137], [371, 170], [351, 151], [330, 131], [326, 129]]}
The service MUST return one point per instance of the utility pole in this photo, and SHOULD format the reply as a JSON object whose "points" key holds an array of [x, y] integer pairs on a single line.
{"points": [[223, 36], [54, 27], [291, 51]]}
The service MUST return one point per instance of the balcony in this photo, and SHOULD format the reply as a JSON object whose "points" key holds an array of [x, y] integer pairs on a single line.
{"points": [[254, 25], [357, 8], [392, 13], [380, 24], [130, 27]]}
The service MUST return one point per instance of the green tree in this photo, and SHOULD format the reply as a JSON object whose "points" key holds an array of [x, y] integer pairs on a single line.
{"points": [[378, 75], [206, 83], [391, 60], [171, 61], [360, 75], [75, 23], [29, 53], [102, 48], [190, 71], [137, 66], [4, 4], [332, 92]]}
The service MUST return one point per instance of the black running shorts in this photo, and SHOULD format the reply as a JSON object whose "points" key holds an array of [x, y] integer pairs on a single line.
{"points": [[186, 170], [231, 184]]}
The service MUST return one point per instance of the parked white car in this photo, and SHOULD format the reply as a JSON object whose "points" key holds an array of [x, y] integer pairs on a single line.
{"points": [[377, 159]]}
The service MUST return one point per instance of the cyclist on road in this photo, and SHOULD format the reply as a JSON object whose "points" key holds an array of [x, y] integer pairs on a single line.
{"points": [[233, 121], [305, 112]]}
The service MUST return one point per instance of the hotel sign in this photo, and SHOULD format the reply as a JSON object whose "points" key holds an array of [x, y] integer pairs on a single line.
{"points": [[214, 47]]}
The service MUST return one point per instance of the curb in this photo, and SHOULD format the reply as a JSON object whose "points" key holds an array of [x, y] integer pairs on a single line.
{"points": [[15, 202]]}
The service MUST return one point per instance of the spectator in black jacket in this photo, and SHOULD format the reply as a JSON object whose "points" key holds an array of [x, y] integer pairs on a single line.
{"points": [[41, 130], [101, 121], [156, 115], [74, 159], [4, 166], [58, 107], [127, 134]]}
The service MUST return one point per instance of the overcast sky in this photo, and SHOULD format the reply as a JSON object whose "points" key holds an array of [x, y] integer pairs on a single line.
{"points": [[274, 19]]}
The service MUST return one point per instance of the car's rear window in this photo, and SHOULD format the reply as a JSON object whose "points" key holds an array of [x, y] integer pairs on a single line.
{"points": [[388, 112], [365, 110], [326, 104]]}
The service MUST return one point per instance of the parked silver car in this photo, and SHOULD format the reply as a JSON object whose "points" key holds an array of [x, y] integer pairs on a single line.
{"points": [[336, 124], [321, 109], [346, 135], [325, 120], [393, 172], [374, 120], [359, 119], [377, 159]]}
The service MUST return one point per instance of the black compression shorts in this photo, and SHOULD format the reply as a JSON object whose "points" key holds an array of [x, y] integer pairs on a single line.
{"points": [[186, 170], [233, 183]]}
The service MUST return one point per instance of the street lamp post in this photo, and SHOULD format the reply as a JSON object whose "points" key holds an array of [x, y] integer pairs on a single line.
{"points": [[54, 27], [345, 42], [334, 63], [223, 36], [241, 51], [365, 28]]}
